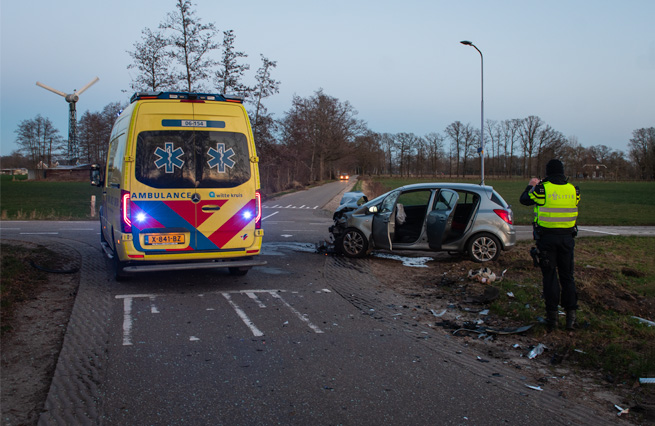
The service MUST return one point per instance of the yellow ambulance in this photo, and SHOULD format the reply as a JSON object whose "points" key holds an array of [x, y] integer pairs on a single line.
{"points": [[181, 186]]}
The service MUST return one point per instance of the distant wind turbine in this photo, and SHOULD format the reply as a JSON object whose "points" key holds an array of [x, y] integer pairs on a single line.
{"points": [[72, 99]]}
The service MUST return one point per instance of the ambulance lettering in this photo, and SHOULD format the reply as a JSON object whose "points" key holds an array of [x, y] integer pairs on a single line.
{"points": [[161, 195]]}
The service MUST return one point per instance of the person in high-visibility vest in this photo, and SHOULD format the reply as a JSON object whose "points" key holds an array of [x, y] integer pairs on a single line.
{"points": [[555, 203]]}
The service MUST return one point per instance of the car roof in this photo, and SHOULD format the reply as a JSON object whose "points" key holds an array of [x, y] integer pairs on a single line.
{"points": [[449, 185]]}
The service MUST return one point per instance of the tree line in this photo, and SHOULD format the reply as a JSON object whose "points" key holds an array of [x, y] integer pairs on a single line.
{"points": [[320, 135]]}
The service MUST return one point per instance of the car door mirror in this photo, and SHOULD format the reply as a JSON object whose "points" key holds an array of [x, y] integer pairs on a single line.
{"points": [[373, 209]]}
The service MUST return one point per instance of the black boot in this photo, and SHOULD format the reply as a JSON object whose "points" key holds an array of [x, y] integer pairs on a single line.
{"points": [[571, 323], [551, 320]]}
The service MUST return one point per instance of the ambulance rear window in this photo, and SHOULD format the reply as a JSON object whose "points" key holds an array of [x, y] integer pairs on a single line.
{"points": [[180, 158]]}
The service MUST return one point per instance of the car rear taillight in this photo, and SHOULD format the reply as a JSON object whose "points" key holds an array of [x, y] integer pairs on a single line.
{"points": [[505, 215], [258, 213], [126, 220]]}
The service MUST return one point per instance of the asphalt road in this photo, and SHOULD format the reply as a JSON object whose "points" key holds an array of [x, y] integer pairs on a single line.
{"points": [[306, 339]]}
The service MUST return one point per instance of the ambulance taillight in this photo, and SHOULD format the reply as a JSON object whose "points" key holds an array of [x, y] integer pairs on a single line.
{"points": [[258, 213], [126, 222]]}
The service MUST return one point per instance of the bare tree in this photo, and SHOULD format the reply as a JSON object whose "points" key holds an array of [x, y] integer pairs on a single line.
{"points": [[455, 131], [405, 142], [319, 130], [191, 43], [494, 132], [642, 151], [509, 130], [39, 141], [530, 127], [435, 146], [94, 132], [266, 85], [228, 76], [153, 62], [549, 145]]}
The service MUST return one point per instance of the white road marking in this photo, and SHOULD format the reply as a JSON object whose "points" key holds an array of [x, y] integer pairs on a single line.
{"points": [[255, 331], [153, 308], [291, 206], [128, 320], [272, 214], [127, 314], [600, 232], [39, 233], [254, 297], [298, 314]]}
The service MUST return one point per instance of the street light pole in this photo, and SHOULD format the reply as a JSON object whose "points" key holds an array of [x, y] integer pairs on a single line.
{"points": [[468, 43]]}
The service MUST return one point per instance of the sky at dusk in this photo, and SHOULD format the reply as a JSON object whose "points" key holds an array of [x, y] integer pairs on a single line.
{"points": [[586, 68]]}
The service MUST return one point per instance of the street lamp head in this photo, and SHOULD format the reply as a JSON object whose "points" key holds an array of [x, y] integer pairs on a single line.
{"points": [[466, 43]]}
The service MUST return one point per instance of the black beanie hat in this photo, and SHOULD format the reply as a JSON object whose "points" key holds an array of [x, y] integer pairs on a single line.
{"points": [[554, 167]]}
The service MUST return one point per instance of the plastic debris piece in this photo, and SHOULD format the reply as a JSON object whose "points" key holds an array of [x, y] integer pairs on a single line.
{"points": [[484, 275], [510, 294], [440, 314], [536, 351], [647, 381], [537, 388], [482, 359], [621, 410], [485, 312], [645, 321]]}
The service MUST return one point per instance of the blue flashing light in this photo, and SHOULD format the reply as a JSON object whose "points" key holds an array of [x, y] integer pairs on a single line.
{"points": [[141, 217], [247, 215]]}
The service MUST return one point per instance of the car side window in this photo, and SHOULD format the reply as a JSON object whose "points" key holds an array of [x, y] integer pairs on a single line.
{"points": [[389, 202], [445, 201]]}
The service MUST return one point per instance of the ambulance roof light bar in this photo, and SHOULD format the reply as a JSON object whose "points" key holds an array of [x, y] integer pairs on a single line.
{"points": [[186, 96]]}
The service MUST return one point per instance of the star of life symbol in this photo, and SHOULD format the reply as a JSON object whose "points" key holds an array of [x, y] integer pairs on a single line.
{"points": [[220, 157], [169, 158]]}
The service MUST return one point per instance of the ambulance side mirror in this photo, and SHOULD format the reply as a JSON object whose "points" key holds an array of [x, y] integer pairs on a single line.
{"points": [[96, 176]]}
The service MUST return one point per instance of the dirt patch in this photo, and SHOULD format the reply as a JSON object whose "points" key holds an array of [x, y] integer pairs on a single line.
{"points": [[31, 346]]}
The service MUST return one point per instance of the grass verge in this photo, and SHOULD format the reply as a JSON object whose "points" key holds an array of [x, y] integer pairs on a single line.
{"points": [[615, 279]]}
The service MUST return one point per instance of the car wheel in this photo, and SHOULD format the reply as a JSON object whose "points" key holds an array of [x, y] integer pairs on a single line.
{"points": [[353, 243], [483, 247]]}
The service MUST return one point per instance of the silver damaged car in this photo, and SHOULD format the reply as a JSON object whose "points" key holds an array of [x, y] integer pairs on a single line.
{"points": [[452, 217]]}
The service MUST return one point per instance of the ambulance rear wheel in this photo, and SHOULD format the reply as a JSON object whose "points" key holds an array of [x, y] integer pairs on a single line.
{"points": [[118, 266], [238, 272]]}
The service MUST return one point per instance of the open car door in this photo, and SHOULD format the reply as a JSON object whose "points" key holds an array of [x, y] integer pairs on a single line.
{"points": [[440, 219], [384, 221]]}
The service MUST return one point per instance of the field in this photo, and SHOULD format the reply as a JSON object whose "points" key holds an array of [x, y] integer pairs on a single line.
{"points": [[44, 200], [601, 203]]}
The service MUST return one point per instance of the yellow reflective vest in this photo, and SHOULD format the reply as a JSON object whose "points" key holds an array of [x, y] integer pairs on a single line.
{"points": [[556, 205]]}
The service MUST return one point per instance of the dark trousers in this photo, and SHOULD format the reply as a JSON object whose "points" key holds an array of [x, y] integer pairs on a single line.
{"points": [[556, 259]]}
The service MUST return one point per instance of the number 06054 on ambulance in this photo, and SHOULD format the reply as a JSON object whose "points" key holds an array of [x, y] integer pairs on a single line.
{"points": [[181, 189]]}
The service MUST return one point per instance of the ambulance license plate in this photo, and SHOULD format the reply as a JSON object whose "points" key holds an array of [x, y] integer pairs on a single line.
{"points": [[160, 239]]}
